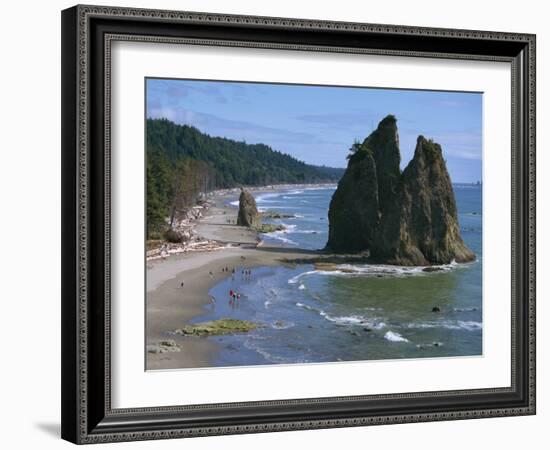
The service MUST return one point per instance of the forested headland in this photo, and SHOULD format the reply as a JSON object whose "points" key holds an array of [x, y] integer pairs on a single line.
{"points": [[183, 163]]}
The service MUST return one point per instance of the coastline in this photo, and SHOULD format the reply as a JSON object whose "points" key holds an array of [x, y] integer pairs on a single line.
{"points": [[205, 232], [170, 306], [301, 318]]}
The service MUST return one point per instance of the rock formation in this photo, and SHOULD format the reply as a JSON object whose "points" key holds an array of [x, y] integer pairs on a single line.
{"points": [[248, 212], [403, 218]]}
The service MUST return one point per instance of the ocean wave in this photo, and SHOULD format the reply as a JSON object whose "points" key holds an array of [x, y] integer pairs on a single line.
{"points": [[280, 325], [251, 344], [279, 235], [395, 337], [466, 186], [429, 345], [264, 198], [301, 287], [295, 231], [473, 308], [343, 320], [322, 188], [380, 270], [468, 325], [352, 319], [304, 306], [296, 278]]}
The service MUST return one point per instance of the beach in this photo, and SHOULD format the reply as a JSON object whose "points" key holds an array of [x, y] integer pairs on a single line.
{"points": [[170, 306], [310, 306]]}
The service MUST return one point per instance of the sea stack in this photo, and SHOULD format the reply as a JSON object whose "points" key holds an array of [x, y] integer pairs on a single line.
{"points": [[405, 218], [248, 212]]}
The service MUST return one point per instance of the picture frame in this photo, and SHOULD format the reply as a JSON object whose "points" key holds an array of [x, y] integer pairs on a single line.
{"points": [[87, 35]]}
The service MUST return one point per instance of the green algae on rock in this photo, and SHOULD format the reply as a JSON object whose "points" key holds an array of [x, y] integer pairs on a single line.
{"points": [[218, 327], [269, 228]]}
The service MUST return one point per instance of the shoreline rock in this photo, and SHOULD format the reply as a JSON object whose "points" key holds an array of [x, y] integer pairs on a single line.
{"points": [[165, 346], [269, 228], [217, 327], [248, 215]]}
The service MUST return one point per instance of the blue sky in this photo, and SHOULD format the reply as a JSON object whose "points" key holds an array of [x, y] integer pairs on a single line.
{"points": [[318, 124]]}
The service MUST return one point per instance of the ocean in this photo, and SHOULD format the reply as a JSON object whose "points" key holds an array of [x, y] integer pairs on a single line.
{"points": [[378, 312]]}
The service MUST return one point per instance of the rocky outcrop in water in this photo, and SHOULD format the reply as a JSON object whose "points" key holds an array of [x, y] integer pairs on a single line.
{"points": [[403, 218], [248, 212]]}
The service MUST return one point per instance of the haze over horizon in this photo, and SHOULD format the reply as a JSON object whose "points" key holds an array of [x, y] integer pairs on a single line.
{"points": [[318, 124]]}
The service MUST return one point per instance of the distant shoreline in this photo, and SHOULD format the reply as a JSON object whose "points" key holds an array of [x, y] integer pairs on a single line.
{"points": [[200, 243]]}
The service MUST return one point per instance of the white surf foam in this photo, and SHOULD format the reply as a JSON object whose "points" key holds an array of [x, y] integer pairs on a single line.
{"points": [[303, 305], [295, 192], [381, 270], [468, 325], [345, 320], [295, 231], [295, 279], [466, 309], [279, 235], [265, 198], [394, 337]]}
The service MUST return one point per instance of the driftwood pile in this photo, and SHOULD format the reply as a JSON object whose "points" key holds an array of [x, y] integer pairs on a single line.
{"points": [[188, 240]]}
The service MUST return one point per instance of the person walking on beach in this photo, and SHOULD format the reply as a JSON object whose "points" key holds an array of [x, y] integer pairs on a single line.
{"points": [[182, 284]]}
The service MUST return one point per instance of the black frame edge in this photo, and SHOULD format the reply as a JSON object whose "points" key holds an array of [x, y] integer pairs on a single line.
{"points": [[69, 313]]}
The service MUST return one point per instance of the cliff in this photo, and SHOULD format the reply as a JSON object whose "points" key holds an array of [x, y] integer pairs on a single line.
{"points": [[248, 215], [403, 218]]}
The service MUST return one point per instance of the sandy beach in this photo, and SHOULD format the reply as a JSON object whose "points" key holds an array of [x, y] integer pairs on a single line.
{"points": [[170, 306]]}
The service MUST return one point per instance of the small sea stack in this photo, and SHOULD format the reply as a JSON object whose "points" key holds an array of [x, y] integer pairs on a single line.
{"points": [[405, 218], [248, 211]]}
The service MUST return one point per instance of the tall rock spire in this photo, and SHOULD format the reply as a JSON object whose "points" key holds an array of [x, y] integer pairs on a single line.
{"points": [[407, 218], [354, 210], [384, 143]]}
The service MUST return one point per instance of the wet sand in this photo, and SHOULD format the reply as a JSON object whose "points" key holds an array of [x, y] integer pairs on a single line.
{"points": [[170, 306]]}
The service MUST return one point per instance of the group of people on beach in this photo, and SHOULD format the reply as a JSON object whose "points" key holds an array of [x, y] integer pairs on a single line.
{"points": [[234, 295], [245, 273]]}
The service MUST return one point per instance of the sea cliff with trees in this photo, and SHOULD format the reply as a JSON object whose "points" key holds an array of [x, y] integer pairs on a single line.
{"points": [[183, 163]]}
